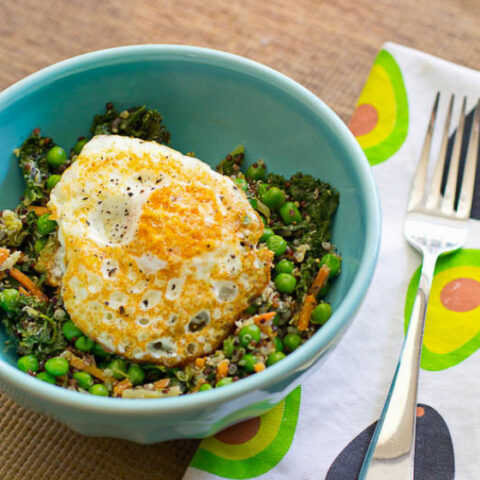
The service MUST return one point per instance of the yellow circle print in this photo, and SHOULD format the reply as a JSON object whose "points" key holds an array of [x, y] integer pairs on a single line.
{"points": [[251, 448], [380, 119], [452, 327]]}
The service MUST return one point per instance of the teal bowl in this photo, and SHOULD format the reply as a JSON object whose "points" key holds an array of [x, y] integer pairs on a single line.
{"points": [[211, 101]]}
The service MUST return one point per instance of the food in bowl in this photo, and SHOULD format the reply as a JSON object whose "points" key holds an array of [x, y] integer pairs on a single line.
{"points": [[132, 270]]}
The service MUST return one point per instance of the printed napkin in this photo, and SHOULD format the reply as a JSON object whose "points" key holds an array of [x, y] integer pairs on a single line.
{"points": [[322, 429]]}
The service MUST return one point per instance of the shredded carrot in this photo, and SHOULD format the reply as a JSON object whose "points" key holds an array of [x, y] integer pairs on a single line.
{"points": [[308, 305], [161, 384], [200, 362], [121, 386], [79, 364], [4, 254], [23, 291], [222, 369], [259, 367], [28, 284], [38, 210], [264, 317], [263, 322], [320, 279], [311, 299]]}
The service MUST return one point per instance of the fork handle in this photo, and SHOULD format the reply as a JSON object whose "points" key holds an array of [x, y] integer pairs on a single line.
{"points": [[391, 452]]}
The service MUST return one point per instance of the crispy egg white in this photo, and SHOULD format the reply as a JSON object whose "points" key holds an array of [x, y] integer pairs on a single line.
{"points": [[159, 252]]}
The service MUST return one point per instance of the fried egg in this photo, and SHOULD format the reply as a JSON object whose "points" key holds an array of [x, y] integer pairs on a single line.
{"points": [[158, 253]]}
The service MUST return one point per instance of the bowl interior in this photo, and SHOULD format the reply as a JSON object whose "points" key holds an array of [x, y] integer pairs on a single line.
{"points": [[210, 104]]}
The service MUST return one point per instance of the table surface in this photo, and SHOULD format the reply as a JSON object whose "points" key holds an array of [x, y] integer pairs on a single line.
{"points": [[327, 46]]}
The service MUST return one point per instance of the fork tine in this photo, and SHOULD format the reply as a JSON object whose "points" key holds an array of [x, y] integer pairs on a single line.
{"points": [[468, 182], [419, 180], [434, 195], [451, 188]]}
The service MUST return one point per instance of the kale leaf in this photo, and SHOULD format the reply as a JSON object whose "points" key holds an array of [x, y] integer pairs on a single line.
{"points": [[320, 199], [138, 122], [32, 159], [317, 202], [232, 162], [35, 328]]}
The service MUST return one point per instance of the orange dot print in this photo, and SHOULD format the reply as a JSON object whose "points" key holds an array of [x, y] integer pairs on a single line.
{"points": [[461, 295], [364, 119], [240, 433]]}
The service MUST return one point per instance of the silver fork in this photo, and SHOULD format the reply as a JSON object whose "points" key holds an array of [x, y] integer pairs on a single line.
{"points": [[433, 225]]}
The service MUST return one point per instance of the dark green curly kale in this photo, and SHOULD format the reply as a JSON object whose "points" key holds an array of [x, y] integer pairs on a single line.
{"points": [[318, 202], [32, 160], [136, 122], [36, 327], [232, 162]]}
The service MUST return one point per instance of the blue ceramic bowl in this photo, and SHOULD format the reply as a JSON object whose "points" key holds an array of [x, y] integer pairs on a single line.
{"points": [[211, 101]]}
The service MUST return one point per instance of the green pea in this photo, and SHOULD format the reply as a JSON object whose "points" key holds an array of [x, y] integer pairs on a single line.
{"points": [[251, 309], [278, 344], [275, 357], [99, 389], [71, 331], [224, 381], [256, 172], [248, 362], [136, 374], [274, 198], [285, 283], [52, 180], [284, 266], [57, 366], [321, 313], [267, 233], [56, 156], [290, 213], [118, 367], [45, 225], [205, 387], [9, 299], [83, 379], [249, 334], [277, 245], [262, 218], [98, 351], [28, 363], [292, 341], [333, 262], [79, 145], [228, 347], [241, 183], [46, 377], [39, 244], [84, 344], [262, 190]]}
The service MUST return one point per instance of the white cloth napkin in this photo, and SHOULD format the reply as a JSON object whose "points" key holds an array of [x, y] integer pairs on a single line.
{"points": [[346, 395]]}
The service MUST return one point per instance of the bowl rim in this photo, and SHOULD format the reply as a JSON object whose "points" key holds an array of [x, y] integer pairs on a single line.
{"points": [[322, 338]]}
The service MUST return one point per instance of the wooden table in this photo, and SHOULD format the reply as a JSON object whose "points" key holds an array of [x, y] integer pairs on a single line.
{"points": [[325, 45]]}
